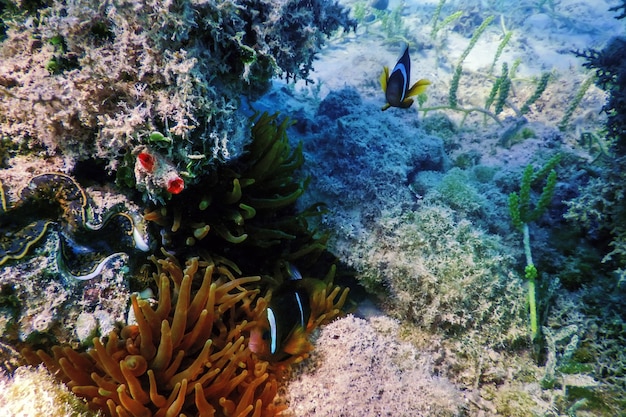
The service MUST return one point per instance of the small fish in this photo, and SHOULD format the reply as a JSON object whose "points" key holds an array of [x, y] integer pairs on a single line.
{"points": [[283, 329], [396, 85]]}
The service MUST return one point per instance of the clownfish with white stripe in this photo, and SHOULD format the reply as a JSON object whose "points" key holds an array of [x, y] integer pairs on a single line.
{"points": [[282, 330], [396, 84]]}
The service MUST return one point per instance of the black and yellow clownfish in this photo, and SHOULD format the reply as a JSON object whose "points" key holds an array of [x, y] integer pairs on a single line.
{"points": [[396, 84], [282, 331]]}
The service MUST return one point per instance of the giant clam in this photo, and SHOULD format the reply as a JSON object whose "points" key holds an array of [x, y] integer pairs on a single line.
{"points": [[54, 202]]}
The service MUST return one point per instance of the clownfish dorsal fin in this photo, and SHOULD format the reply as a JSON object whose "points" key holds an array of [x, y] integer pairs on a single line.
{"points": [[292, 271]]}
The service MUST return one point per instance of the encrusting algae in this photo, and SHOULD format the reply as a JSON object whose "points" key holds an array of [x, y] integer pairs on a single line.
{"points": [[188, 354]]}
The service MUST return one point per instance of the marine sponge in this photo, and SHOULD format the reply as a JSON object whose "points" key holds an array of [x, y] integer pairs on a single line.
{"points": [[188, 354]]}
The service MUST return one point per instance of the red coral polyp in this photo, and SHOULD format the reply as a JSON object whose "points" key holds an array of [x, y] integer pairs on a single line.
{"points": [[175, 185], [147, 161]]}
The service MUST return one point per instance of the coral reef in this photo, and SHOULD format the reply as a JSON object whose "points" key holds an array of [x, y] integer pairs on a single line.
{"points": [[194, 357], [422, 250], [140, 103], [102, 76], [358, 164], [186, 352], [364, 162]]}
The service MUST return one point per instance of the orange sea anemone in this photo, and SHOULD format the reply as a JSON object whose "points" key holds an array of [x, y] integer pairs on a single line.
{"points": [[187, 355]]}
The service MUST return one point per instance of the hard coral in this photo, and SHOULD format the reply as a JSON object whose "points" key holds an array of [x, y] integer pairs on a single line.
{"points": [[187, 355]]}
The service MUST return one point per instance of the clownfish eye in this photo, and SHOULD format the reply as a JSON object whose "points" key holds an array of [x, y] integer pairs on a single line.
{"points": [[266, 335]]}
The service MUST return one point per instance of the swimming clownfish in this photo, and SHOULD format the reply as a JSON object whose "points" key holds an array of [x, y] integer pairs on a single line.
{"points": [[283, 328], [396, 85]]}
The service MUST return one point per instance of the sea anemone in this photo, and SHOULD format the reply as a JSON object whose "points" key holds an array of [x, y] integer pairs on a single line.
{"points": [[188, 354], [249, 203]]}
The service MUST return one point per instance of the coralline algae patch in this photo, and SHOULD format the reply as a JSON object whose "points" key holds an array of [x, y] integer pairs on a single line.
{"points": [[361, 368]]}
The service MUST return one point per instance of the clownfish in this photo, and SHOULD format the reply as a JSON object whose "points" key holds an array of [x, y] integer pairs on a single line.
{"points": [[283, 327], [396, 84]]}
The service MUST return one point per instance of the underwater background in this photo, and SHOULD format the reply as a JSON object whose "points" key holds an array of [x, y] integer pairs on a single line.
{"points": [[172, 171]]}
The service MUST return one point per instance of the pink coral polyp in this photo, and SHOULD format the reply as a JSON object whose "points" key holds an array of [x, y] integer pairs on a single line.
{"points": [[175, 185]]}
